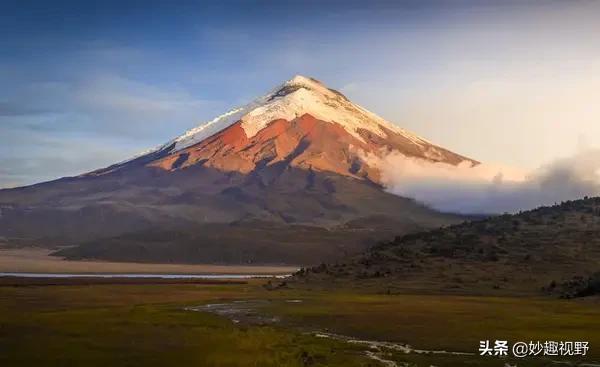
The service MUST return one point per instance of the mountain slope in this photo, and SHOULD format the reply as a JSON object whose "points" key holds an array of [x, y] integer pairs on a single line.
{"points": [[291, 157], [548, 248]]}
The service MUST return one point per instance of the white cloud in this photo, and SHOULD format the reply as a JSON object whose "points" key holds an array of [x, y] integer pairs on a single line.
{"points": [[489, 188]]}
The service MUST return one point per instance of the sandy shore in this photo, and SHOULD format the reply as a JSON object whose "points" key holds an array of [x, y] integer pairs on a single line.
{"points": [[37, 260]]}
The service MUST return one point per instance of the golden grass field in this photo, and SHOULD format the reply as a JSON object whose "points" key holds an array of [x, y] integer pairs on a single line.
{"points": [[148, 325]]}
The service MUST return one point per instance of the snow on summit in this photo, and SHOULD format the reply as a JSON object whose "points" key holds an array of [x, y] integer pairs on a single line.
{"points": [[294, 98], [301, 122]]}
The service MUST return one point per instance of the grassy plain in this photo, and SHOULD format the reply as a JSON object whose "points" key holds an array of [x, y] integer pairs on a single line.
{"points": [[147, 325]]}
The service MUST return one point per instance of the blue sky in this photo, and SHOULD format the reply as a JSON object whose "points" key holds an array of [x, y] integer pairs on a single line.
{"points": [[85, 84]]}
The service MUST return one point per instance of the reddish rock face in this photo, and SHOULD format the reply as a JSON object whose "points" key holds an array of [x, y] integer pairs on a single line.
{"points": [[301, 125], [305, 143]]}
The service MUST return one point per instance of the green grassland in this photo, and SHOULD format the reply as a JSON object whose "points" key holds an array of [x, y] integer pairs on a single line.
{"points": [[448, 322], [147, 325]]}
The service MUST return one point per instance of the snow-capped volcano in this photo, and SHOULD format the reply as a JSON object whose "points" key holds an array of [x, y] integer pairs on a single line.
{"points": [[294, 98], [282, 179], [301, 122]]}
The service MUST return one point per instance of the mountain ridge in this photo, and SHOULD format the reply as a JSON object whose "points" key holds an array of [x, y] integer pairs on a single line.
{"points": [[548, 249]]}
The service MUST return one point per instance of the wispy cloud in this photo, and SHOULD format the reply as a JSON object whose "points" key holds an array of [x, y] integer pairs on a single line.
{"points": [[43, 157], [50, 129]]}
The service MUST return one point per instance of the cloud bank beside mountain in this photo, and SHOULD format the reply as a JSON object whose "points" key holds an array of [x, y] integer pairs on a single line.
{"points": [[488, 188]]}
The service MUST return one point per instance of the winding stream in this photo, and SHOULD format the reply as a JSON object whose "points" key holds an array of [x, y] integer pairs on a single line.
{"points": [[247, 312]]}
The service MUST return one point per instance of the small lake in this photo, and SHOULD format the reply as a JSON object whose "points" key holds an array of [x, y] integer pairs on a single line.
{"points": [[161, 276]]}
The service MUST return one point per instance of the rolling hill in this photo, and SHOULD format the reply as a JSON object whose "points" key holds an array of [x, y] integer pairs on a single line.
{"points": [[552, 249]]}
